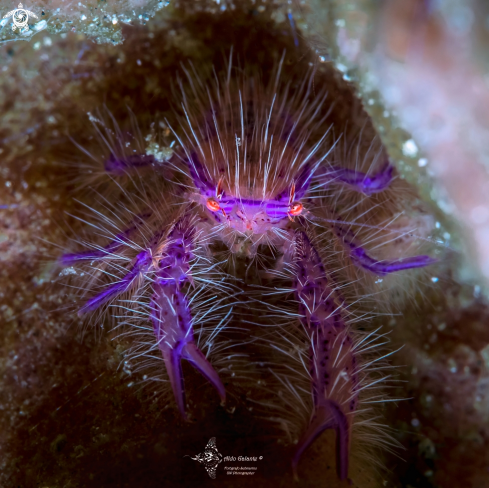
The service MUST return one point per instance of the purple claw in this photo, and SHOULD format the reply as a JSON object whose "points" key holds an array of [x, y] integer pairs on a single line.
{"points": [[197, 359], [327, 416], [173, 355], [173, 364]]}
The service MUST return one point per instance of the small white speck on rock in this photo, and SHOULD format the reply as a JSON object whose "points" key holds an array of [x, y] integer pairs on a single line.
{"points": [[409, 148]]}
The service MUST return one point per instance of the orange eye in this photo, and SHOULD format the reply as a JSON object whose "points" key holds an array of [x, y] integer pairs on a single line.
{"points": [[212, 205], [296, 209]]}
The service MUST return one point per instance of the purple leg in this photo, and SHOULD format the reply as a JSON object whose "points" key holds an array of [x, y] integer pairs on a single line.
{"points": [[202, 181], [333, 370], [120, 166], [381, 268], [129, 281], [359, 181], [172, 320], [119, 241], [360, 257]]}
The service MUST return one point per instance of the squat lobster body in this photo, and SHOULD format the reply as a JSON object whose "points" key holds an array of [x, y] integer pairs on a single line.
{"points": [[255, 172]]}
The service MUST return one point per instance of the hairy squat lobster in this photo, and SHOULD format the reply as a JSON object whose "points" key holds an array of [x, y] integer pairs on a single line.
{"points": [[250, 170]]}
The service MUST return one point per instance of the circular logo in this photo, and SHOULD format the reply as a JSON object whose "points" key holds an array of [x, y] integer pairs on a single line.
{"points": [[20, 18]]}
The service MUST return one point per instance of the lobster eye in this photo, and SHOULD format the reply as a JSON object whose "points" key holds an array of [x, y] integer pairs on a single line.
{"points": [[212, 205], [296, 209]]}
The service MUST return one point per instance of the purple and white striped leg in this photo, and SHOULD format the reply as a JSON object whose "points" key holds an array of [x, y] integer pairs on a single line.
{"points": [[171, 316], [333, 370]]}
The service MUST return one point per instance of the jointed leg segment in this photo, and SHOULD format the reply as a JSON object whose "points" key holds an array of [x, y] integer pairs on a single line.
{"points": [[360, 257], [332, 362], [103, 252], [170, 313], [358, 181]]}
